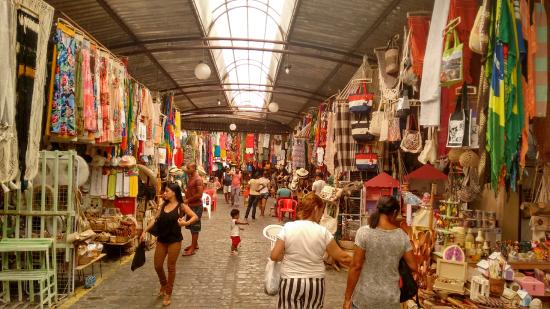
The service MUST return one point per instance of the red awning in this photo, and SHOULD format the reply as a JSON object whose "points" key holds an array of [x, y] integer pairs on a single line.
{"points": [[426, 172], [383, 180]]}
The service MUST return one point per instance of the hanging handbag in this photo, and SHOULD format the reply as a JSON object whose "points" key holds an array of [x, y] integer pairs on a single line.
{"points": [[429, 153], [458, 131], [408, 286], [384, 125], [470, 188], [366, 161], [403, 106], [376, 121], [407, 75], [391, 56], [360, 130], [394, 129], [361, 101], [479, 36], [412, 138], [452, 60], [328, 193]]}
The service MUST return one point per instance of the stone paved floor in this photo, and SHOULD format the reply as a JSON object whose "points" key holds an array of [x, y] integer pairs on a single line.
{"points": [[212, 278]]}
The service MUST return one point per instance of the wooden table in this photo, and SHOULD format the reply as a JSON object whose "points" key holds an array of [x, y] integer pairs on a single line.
{"points": [[80, 268]]}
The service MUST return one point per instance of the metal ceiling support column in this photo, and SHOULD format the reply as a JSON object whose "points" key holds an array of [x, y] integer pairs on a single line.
{"points": [[273, 50], [356, 46], [144, 49]]}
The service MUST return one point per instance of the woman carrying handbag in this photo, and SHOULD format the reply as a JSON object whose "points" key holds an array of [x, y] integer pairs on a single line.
{"points": [[167, 228]]}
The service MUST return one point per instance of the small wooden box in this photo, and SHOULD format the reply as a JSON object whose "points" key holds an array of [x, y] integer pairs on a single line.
{"points": [[451, 276]]}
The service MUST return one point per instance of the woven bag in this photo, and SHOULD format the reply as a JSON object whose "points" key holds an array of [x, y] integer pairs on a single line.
{"points": [[412, 138], [391, 56], [376, 121], [470, 188], [469, 159]]}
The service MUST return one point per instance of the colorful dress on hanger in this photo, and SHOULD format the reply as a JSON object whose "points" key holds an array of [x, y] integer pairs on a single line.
{"points": [[63, 105]]}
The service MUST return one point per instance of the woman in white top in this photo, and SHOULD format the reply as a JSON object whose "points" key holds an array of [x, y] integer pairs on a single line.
{"points": [[301, 246]]}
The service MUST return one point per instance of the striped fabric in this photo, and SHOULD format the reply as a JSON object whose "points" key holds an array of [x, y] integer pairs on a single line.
{"points": [[345, 144], [301, 293]]}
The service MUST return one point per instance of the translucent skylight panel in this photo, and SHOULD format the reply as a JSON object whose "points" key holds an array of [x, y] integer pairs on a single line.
{"points": [[249, 19]]}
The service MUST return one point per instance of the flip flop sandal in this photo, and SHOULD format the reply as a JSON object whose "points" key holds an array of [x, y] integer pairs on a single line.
{"points": [[187, 248], [188, 253]]}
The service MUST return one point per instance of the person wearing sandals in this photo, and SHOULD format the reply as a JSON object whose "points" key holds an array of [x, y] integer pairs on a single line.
{"points": [[301, 246], [193, 198], [373, 279], [169, 222]]}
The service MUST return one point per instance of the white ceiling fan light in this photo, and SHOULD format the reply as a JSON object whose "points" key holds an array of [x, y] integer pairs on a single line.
{"points": [[232, 127], [273, 107], [202, 71]]}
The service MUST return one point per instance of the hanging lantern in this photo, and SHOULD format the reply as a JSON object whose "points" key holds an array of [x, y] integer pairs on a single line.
{"points": [[273, 107], [232, 127], [202, 71]]}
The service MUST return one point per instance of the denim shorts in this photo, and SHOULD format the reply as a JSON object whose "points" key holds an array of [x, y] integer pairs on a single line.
{"points": [[195, 227]]}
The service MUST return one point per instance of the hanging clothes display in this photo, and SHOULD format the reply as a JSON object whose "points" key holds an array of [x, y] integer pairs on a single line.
{"points": [[63, 104], [344, 143], [540, 23], [8, 134], [29, 109], [430, 89]]}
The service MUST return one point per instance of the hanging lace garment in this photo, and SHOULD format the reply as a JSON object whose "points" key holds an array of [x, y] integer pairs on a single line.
{"points": [[8, 140]]}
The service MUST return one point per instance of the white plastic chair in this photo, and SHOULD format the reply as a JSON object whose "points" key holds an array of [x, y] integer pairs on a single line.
{"points": [[207, 203], [270, 232]]}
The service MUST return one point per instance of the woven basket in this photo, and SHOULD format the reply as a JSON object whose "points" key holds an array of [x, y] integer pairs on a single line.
{"points": [[469, 159], [97, 224], [454, 154]]}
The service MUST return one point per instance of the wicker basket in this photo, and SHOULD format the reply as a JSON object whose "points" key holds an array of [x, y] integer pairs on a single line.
{"points": [[97, 224], [121, 239], [469, 159], [454, 154]]}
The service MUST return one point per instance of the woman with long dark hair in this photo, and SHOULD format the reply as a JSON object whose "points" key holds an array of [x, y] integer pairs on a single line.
{"points": [[378, 249], [301, 246], [169, 221]]}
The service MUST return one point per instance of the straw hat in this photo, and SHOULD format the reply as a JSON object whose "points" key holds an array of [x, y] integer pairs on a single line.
{"points": [[127, 161], [469, 159], [302, 173], [98, 161], [201, 170], [454, 154]]}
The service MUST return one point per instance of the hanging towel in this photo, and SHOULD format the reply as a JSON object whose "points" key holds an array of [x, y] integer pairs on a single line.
{"points": [[430, 90], [111, 184]]}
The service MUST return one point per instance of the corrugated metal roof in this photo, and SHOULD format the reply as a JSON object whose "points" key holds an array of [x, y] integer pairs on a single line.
{"points": [[340, 25]]}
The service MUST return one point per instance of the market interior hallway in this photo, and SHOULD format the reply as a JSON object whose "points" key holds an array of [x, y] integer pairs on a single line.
{"points": [[212, 278]]}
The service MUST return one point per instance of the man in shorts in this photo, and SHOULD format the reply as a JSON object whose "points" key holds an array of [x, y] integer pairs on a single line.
{"points": [[226, 181], [193, 198]]}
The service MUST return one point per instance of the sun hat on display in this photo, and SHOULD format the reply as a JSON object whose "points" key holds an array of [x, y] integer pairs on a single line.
{"points": [[302, 173]]}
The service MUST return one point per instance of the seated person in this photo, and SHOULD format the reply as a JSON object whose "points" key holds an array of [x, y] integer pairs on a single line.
{"points": [[283, 193]]}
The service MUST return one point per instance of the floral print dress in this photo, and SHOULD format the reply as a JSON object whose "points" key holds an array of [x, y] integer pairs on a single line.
{"points": [[63, 105]]}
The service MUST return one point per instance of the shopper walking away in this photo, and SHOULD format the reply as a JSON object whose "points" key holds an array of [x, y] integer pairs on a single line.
{"points": [[318, 184], [301, 246], [235, 187], [373, 279], [235, 230], [193, 198], [169, 222], [253, 196], [227, 179], [264, 192]]}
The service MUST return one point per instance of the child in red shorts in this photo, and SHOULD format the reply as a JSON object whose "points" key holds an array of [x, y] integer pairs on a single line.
{"points": [[235, 230]]}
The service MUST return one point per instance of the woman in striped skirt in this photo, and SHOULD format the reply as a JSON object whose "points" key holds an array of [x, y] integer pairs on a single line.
{"points": [[301, 246]]}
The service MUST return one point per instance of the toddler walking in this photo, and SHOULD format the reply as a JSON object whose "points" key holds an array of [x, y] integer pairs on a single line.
{"points": [[235, 230]]}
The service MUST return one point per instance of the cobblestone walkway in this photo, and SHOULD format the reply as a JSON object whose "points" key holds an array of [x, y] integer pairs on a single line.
{"points": [[212, 278]]}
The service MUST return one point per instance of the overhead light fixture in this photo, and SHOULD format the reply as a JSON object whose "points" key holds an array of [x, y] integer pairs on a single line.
{"points": [[219, 102], [202, 71], [232, 127], [273, 107], [287, 68]]}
